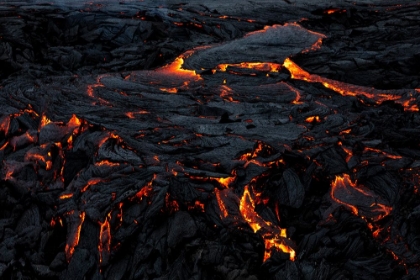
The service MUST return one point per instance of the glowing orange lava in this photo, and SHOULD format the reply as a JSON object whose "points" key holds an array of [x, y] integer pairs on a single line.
{"points": [[225, 182], [44, 121], [274, 236], [312, 119], [91, 182], [106, 163], [359, 199], [66, 196], [222, 205], [104, 245], [74, 121], [175, 69], [74, 237], [316, 46], [367, 149], [38, 158], [227, 93], [333, 11], [169, 90], [259, 66], [339, 87], [5, 124], [147, 189]]}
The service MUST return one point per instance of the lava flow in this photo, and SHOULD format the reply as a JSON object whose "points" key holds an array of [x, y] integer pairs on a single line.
{"points": [[183, 141], [358, 198], [175, 69], [104, 246], [348, 89], [274, 236], [76, 222], [259, 66]]}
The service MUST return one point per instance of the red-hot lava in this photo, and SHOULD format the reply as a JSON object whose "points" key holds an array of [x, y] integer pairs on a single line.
{"points": [[222, 206], [147, 190], [274, 236], [359, 199], [259, 66], [73, 236], [333, 11], [104, 246], [347, 89], [5, 124], [175, 69]]}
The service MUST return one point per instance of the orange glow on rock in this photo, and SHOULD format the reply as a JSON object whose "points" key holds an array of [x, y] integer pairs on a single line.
{"points": [[91, 182], [333, 11], [316, 46], [222, 205], [410, 105], [339, 87], [106, 163], [175, 68], [225, 182], [130, 115], [349, 153], [226, 93], [147, 189], [44, 121], [348, 193], [274, 236], [4, 146], [279, 245], [74, 237], [66, 196], [368, 149], [169, 90], [5, 124], [312, 119], [259, 66], [346, 131], [38, 158], [74, 121], [198, 205], [104, 245]]}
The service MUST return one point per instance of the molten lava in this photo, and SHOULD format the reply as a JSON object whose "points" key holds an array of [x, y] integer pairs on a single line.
{"points": [[359, 199], [169, 90], [339, 87], [5, 124], [333, 11], [368, 149], [104, 246], [91, 182], [66, 196], [258, 66], [74, 235], [146, 190], [175, 69], [225, 181], [222, 206], [274, 236], [312, 119]]}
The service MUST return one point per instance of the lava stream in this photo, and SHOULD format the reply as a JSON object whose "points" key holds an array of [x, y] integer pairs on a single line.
{"points": [[347, 89], [274, 236]]}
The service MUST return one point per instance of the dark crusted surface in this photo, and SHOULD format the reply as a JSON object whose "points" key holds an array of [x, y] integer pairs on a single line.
{"points": [[147, 159]]}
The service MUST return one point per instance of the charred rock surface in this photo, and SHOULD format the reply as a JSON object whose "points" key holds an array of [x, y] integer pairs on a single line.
{"points": [[216, 141]]}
